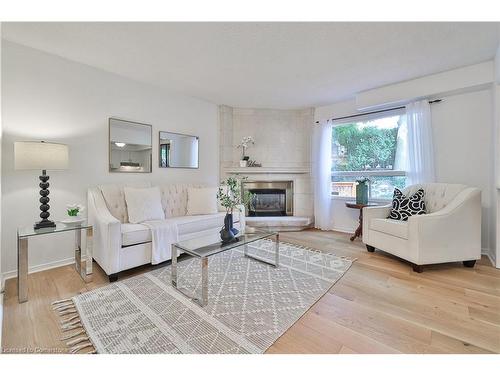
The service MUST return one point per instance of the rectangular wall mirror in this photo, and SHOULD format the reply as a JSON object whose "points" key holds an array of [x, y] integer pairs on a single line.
{"points": [[178, 150], [130, 146]]}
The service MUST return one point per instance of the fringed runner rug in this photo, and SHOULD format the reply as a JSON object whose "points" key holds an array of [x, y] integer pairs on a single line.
{"points": [[251, 304]]}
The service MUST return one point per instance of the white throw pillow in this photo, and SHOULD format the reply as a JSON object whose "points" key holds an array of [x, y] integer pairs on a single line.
{"points": [[202, 201], [143, 204]]}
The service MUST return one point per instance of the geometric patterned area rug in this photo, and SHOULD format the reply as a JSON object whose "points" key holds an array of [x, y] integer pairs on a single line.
{"points": [[250, 305]]}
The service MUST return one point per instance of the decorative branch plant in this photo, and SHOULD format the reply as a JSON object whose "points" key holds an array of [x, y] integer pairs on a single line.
{"points": [[244, 144], [229, 194]]}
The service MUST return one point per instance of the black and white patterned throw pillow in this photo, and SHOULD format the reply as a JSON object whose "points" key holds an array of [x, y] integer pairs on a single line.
{"points": [[403, 207]]}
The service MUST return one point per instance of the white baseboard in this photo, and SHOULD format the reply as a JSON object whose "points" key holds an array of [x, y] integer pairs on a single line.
{"points": [[40, 267]]}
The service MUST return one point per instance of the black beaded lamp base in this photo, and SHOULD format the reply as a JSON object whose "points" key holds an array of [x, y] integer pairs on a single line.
{"points": [[44, 200], [44, 224]]}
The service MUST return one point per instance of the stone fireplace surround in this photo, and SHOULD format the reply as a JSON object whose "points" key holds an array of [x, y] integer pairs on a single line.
{"points": [[293, 222], [299, 177], [282, 146]]}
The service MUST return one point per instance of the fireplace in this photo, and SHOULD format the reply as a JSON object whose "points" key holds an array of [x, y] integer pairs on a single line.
{"points": [[270, 198]]}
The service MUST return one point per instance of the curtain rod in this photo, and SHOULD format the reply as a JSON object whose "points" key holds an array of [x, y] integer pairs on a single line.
{"points": [[379, 111]]}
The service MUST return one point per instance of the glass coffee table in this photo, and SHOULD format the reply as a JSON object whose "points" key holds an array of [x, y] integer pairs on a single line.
{"points": [[206, 246]]}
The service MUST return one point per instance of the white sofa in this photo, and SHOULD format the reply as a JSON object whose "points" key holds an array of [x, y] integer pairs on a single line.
{"points": [[120, 245], [450, 232]]}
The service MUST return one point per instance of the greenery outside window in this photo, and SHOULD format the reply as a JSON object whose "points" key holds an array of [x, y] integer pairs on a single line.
{"points": [[369, 146], [165, 155]]}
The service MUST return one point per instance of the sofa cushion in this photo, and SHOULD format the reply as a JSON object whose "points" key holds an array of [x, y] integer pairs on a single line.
{"points": [[115, 199], [404, 206], [202, 201], [395, 228], [199, 223], [174, 199], [133, 234], [143, 204]]}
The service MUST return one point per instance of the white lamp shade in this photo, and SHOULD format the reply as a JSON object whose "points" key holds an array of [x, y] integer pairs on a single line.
{"points": [[40, 155]]}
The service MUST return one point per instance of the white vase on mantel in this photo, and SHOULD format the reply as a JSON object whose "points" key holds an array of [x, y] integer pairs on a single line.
{"points": [[243, 163]]}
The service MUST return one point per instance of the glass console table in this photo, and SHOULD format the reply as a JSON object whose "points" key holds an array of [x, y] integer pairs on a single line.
{"points": [[83, 265]]}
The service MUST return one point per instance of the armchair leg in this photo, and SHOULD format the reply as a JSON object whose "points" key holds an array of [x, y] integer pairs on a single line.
{"points": [[370, 249], [418, 268], [113, 277], [469, 263]]}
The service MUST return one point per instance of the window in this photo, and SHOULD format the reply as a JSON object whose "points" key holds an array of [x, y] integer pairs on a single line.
{"points": [[165, 155], [373, 147]]}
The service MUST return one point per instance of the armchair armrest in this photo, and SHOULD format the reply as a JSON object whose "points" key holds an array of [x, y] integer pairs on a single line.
{"points": [[369, 213], [107, 232], [450, 234]]}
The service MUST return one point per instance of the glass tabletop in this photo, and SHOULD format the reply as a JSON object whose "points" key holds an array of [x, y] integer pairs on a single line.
{"points": [[29, 231], [211, 244], [359, 205]]}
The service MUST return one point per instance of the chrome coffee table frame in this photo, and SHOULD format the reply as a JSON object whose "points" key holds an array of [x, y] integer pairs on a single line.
{"points": [[204, 252]]}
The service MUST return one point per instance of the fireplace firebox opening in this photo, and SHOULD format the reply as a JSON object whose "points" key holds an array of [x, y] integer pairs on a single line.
{"points": [[269, 198]]}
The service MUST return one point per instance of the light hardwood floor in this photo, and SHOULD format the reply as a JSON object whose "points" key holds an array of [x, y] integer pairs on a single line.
{"points": [[379, 306]]}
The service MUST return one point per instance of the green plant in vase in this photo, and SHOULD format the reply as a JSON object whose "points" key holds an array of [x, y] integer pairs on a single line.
{"points": [[230, 197], [74, 209]]}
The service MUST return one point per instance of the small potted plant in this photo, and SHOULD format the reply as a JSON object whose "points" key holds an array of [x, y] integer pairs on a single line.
{"points": [[229, 195], [362, 186], [244, 144]]}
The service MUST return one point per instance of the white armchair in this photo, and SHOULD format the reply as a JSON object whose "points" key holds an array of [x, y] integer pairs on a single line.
{"points": [[450, 232]]}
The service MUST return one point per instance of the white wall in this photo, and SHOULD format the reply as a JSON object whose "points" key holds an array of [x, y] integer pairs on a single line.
{"points": [[497, 65], [435, 84], [1, 133], [47, 97], [463, 146], [495, 242], [496, 185], [463, 133]]}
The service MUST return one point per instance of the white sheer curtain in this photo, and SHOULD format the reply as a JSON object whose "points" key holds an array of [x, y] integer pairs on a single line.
{"points": [[322, 174], [420, 166]]}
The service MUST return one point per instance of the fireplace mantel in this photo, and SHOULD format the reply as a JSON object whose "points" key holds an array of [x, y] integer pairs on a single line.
{"points": [[267, 170]]}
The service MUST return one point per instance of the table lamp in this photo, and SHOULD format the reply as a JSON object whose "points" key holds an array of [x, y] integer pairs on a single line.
{"points": [[41, 156]]}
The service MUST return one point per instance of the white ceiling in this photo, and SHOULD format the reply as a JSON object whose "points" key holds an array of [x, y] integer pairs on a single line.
{"points": [[265, 65]]}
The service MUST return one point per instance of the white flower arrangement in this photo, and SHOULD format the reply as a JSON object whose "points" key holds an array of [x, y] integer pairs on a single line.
{"points": [[74, 209], [244, 144]]}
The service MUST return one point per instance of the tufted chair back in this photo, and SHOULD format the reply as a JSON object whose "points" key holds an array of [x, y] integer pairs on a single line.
{"points": [[437, 195], [115, 199]]}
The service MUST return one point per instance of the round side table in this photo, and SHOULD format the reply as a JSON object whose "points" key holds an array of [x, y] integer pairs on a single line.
{"points": [[359, 230]]}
